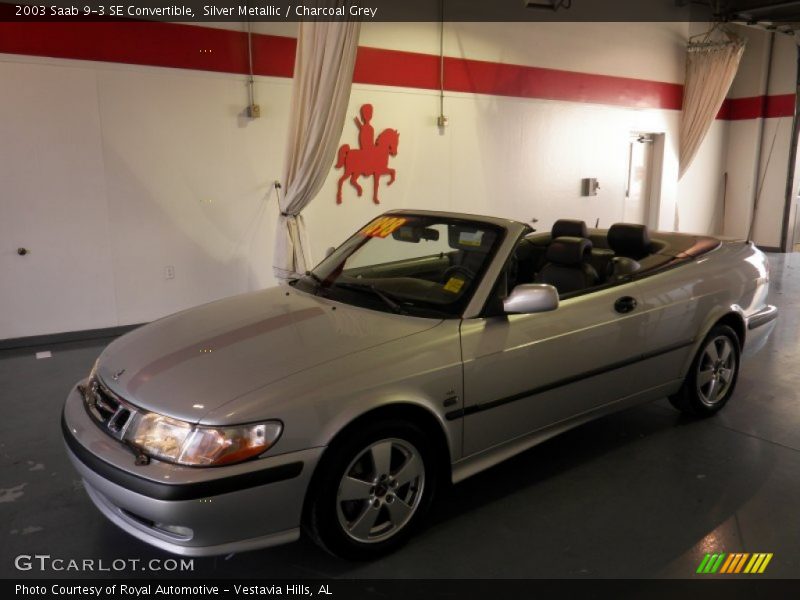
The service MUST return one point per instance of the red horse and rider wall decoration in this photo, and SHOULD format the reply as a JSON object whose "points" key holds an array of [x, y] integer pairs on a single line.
{"points": [[370, 159]]}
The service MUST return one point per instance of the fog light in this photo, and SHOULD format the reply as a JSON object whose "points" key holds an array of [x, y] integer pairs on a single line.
{"points": [[176, 530]]}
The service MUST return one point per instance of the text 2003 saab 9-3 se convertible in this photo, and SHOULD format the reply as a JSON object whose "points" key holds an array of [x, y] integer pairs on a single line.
{"points": [[427, 347]]}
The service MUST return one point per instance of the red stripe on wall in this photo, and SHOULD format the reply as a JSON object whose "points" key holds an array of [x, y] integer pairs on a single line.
{"points": [[209, 49], [151, 43], [757, 107], [464, 75], [393, 67], [409, 69]]}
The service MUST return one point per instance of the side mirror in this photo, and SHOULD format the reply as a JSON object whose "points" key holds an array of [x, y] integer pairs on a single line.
{"points": [[531, 298], [329, 251]]}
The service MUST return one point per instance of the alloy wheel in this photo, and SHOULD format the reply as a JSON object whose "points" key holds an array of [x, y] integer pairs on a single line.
{"points": [[380, 490], [715, 370]]}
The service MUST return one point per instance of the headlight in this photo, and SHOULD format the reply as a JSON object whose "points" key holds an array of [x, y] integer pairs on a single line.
{"points": [[179, 442]]}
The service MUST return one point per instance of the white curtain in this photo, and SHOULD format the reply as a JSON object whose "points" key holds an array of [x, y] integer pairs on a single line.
{"points": [[323, 75], [710, 69]]}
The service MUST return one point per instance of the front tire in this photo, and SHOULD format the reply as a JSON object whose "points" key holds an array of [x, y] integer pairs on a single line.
{"points": [[373, 488], [712, 377]]}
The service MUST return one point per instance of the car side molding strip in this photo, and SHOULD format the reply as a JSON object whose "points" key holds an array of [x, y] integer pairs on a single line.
{"points": [[476, 408], [174, 492]]}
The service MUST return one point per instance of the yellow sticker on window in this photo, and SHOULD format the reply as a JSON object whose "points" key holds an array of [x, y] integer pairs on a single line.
{"points": [[454, 285], [383, 226]]}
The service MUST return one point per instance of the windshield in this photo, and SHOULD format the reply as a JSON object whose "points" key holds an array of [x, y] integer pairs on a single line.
{"points": [[418, 265]]}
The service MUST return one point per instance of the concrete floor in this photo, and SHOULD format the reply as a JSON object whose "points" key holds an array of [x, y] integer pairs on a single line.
{"points": [[643, 493]]}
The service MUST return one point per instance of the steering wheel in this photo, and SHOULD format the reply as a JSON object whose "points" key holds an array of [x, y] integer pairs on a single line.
{"points": [[452, 270]]}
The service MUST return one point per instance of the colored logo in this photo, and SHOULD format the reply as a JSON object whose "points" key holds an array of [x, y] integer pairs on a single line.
{"points": [[736, 563], [370, 159]]}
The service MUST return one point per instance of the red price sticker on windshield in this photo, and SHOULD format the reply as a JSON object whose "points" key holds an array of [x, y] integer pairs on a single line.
{"points": [[383, 226]]}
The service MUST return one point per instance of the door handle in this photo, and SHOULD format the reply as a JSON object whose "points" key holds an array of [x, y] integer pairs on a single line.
{"points": [[625, 304]]}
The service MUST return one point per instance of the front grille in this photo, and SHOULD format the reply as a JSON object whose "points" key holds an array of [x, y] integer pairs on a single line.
{"points": [[108, 410]]}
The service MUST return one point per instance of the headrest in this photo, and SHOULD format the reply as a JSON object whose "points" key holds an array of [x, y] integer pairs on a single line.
{"points": [[569, 251], [569, 228], [627, 239]]}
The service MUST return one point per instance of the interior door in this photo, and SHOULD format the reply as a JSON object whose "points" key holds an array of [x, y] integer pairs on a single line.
{"points": [[523, 373], [636, 208], [53, 204]]}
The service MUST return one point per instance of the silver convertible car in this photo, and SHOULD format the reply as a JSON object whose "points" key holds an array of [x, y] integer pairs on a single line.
{"points": [[426, 348]]}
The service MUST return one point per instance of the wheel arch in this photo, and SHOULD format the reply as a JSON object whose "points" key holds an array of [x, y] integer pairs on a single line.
{"points": [[735, 320], [733, 317], [407, 411]]}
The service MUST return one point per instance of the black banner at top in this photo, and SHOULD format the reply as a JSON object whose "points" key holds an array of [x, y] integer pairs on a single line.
{"points": [[383, 10]]}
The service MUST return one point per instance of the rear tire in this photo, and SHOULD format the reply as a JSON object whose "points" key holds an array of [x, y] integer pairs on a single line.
{"points": [[711, 379], [372, 489]]}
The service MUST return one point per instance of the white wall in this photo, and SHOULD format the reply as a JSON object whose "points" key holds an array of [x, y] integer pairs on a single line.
{"points": [[772, 136], [701, 189], [110, 173], [493, 160], [116, 171], [53, 202]]}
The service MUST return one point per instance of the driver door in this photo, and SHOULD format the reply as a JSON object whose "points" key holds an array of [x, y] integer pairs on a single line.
{"points": [[524, 373]]}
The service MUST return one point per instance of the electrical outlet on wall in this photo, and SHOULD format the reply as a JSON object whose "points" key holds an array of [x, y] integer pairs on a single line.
{"points": [[169, 272]]}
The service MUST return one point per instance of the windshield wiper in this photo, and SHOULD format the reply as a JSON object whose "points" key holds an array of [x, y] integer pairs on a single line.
{"points": [[387, 299]]}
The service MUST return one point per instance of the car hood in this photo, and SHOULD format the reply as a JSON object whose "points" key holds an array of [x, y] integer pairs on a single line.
{"points": [[193, 362]]}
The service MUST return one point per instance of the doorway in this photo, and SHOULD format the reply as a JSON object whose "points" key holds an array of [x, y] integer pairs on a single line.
{"points": [[643, 183]]}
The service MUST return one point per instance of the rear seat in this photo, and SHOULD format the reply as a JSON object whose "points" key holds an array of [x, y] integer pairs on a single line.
{"points": [[631, 246], [630, 240], [601, 259]]}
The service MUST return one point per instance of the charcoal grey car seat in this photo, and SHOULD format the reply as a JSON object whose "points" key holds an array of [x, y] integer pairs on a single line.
{"points": [[569, 228], [629, 240], [567, 266]]}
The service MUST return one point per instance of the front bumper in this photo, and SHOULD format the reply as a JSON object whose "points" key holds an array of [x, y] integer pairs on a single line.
{"points": [[188, 510]]}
